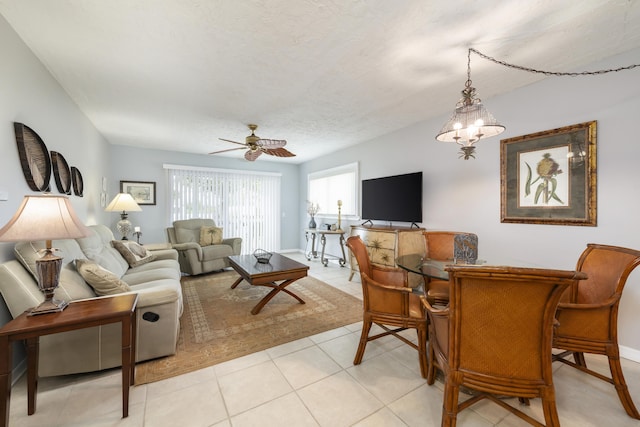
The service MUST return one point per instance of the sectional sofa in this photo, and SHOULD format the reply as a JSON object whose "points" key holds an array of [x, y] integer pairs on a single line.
{"points": [[156, 280]]}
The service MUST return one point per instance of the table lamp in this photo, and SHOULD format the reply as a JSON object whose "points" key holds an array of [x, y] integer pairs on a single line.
{"points": [[45, 217], [123, 202]]}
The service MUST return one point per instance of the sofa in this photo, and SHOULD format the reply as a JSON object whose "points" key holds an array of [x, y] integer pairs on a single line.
{"points": [[198, 251], [156, 280]]}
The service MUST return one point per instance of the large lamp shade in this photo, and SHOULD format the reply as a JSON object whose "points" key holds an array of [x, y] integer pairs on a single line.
{"points": [[45, 217]]}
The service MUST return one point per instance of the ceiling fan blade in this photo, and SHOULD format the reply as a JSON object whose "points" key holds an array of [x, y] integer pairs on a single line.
{"points": [[224, 151], [278, 152], [271, 143], [234, 142], [252, 155]]}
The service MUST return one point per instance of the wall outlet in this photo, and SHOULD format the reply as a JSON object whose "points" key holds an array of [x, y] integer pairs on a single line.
{"points": [[4, 196]]}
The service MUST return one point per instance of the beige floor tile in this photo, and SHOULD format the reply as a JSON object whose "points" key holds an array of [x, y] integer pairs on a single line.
{"points": [[199, 405], [339, 400], [290, 347], [241, 363], [385, 379], [306, 366], [251, 387], [342, 349], [287, 410], [384, 417], [329, 335], [421, 407], [180, 382]]}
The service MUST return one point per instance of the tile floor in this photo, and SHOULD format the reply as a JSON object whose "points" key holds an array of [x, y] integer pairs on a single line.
{"points": [[309, 382]]}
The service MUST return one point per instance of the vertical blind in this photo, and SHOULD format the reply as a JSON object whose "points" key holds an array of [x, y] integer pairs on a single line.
{"points": [[244, 204]]}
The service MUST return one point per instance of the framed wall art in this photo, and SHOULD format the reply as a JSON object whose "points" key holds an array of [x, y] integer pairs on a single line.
{"points": [[549, 177], [143, 192], [34, 157]]}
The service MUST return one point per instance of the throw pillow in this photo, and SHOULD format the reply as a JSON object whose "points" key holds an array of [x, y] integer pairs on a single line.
{"points": [[210, 236], [134, 253], [100, 279]]}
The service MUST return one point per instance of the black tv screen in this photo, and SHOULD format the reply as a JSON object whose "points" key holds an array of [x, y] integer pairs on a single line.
{"points": [[393, 198]]}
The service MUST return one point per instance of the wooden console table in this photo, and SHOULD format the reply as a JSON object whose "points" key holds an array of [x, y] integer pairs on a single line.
{"points": [[324, 257], [78, 315]]}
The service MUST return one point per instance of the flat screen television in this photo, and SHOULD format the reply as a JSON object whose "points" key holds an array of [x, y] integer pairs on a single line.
{"points": [[393, 198]]}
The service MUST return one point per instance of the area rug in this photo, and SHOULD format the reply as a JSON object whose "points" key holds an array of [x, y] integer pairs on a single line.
{"points": [[217, 324]]}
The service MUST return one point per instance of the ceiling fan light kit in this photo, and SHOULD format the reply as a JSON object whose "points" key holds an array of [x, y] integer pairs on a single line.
{"points": [[255, 146]]}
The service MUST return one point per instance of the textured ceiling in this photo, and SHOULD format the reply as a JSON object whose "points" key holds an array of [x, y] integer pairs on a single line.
{"points": [[179, 74]]}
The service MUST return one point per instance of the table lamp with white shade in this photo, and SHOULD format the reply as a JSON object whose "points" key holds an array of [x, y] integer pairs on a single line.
{"points": [[122, 203], [45, 217]]}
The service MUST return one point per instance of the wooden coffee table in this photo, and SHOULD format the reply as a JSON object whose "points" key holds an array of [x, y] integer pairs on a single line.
{"points": [[279, 273]]}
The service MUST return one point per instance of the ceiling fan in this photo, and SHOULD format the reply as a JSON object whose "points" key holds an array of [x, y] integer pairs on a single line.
{"points": [[257, 146]]}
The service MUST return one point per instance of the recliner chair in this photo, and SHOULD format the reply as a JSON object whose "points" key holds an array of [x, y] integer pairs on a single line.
{"points": [[195, 259]]}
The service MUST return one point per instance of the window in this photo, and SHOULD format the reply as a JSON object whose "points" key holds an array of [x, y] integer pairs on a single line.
{"points": [[330, 185], [244, 204]]}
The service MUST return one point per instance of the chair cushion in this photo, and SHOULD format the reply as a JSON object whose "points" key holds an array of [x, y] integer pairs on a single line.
{"points": [[100, 279], [132, 252], [29, 252], [186, 235], [188, 230], [213, 252], [210, 236], [98, 248]]}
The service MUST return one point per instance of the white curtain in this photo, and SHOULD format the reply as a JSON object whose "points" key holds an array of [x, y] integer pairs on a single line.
{"points": [[244, 204]]}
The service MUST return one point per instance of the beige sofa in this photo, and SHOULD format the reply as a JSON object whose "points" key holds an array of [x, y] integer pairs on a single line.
{"points": [[194, 258], [158, 311]]}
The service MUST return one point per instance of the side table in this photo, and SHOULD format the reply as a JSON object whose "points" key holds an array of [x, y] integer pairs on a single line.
{"points": [[324, 257], [78, 315]]}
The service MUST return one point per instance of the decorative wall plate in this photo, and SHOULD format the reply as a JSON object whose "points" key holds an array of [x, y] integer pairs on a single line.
{"points": [[76, 180], [34, 157], [61, 172]]}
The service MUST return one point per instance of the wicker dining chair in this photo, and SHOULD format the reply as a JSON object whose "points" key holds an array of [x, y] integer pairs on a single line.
{"points": [[494, 337], [388, 302], [444, 245], [588, 320]]}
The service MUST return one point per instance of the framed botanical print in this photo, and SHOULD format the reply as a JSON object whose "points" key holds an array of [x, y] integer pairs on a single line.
{"points": [[549, 177]]}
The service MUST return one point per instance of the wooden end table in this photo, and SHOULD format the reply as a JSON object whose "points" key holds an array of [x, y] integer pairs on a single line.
{"points": [[279, 269], [78, 315]]}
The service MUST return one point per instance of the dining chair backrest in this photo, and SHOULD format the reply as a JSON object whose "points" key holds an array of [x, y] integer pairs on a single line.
{"points": [[588, 315], [498, 330]]}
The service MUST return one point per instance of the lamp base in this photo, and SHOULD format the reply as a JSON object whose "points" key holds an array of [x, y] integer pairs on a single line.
{"points": [[50, 306], [48, 268], [124, 227]]}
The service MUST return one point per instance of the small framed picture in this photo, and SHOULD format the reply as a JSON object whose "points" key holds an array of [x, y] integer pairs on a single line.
{"points": [[549, 177], [143, 192]]}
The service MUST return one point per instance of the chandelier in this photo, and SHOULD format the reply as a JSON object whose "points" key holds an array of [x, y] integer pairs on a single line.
{"points": [[471, 121]]}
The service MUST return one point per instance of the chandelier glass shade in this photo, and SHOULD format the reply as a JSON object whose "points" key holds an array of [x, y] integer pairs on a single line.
{"points": [[470, 121]]}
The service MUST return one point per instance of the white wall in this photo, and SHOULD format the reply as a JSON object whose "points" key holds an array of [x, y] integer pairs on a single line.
{"points": [[465, 195], [30, 95]]}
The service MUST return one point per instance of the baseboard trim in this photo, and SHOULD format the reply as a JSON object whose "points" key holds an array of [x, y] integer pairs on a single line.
{"points": [[630, 353]]}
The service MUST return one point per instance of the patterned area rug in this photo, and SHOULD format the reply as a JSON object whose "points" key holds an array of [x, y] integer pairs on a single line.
{"points": [[217, 324]]}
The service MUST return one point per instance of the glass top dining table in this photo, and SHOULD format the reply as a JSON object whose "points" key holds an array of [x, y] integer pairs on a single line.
{"points": [[434, 268]]}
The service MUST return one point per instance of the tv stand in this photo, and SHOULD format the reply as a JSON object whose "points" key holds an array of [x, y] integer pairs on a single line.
{"points": [[367, 221], [386, 243]]}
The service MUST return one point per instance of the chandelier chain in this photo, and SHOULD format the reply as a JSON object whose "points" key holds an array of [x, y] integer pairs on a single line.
{"points": [[550, 73]]}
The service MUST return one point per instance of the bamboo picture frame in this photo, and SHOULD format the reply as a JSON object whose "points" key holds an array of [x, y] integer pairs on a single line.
{"points": [[549, 177]]}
